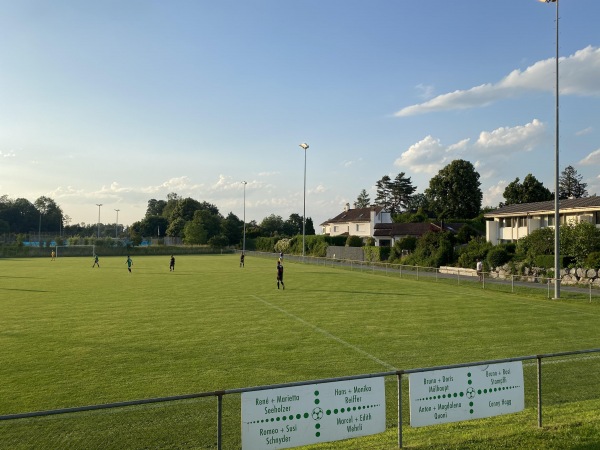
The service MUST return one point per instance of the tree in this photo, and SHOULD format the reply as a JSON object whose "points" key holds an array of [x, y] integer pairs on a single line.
{"points": [[384, 195], [232, 228], [363, 200], [401, 190], [194, 233], [293, 225], [272, 226], [155, 207], [309, 228], [570, 184], [455, 191], [530, 191]]}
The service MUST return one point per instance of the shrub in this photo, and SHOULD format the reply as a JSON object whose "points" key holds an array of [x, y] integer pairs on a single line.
{"points": [[593, 261], [376, 254], [476, 248], [497, 256], [354, 241], [283, 245]]}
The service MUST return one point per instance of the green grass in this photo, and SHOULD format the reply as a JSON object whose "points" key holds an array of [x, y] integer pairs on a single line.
{"points": [[71, 335]]}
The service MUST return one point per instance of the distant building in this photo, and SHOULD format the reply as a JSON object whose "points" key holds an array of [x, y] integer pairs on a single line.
{"points": [[356, 222], [513, 222], [388, 233]]}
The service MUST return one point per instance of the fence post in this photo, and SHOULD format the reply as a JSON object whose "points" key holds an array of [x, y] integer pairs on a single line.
{"points": [[590, 291], [458, 277], [400, 410], [539, 390], [219, 421], [548, 287], [512, 284], [483, 279], [417, 273]]}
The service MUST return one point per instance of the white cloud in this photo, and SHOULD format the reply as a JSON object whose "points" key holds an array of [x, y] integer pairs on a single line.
{"points": [[519, 138], [578, 73], [429, 155], [426, 156], [493, 195], [585, 131], [9, 154], [425, 91], [591, 159]]}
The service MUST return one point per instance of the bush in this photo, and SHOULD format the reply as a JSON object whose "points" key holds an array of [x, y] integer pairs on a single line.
{"points": [[497, 256], [476, 248], [376, 254], [354, 241], [266, 244], [593, 261]]}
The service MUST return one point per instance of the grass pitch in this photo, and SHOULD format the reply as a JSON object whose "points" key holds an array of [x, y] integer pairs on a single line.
{"points": [[73, 335]]}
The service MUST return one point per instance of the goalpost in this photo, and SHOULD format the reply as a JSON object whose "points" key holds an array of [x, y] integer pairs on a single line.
{"points": [[75, 250]]}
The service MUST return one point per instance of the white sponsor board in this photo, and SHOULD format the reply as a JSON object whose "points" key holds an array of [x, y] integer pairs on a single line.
{"points": [[303, 415], [466, 393]]}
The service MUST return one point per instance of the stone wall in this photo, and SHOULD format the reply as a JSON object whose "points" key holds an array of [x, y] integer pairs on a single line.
{"points": [[539, 275]]}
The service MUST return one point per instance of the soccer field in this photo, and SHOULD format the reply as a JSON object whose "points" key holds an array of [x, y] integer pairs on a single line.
{"points": [[73, 335]]}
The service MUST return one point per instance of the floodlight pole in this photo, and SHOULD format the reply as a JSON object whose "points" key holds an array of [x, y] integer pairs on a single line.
{"points": [[305, 147], [98, 205], [244, 240], [557, 277], [117, 224]]}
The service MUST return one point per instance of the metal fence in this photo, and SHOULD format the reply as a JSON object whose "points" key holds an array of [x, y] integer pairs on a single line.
{"points": [[212, 420], [529, 284]]}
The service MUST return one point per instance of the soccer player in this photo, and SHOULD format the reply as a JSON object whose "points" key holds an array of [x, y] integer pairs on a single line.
{"points": [[280, 275], [129, 263], [172, 264], [53, 256], [96, 263], [242, 257]]}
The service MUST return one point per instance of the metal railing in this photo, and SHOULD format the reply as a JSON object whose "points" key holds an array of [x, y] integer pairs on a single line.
{"points": [[185, 420], [514, 283]]}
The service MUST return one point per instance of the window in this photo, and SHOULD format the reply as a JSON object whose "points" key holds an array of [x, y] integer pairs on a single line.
{"points": [[335, 228], [550, 220], [357, 227]]}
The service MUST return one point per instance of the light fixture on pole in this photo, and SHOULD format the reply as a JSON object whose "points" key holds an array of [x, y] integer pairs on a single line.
{"points": [[304, 147], [117, 224], [557, 278], [98, 205], [244, 239]]}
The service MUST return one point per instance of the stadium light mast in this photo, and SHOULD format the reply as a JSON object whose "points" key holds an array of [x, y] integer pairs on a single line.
{"points": [[244, 240], [117, 224], [304, 147], [98, 205], [556, 171]]}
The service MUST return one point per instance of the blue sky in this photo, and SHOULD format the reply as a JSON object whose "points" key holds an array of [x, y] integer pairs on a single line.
{"points": [[119, 102]]}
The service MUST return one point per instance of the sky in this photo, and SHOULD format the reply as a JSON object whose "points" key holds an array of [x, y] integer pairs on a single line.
{"points": [[117, 102]]}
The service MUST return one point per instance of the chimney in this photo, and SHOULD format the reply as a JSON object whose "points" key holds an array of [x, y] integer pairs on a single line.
{"points": [[347, 207]]}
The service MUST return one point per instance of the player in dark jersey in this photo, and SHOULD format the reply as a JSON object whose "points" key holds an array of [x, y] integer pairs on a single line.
{"points": [[280, 275]]}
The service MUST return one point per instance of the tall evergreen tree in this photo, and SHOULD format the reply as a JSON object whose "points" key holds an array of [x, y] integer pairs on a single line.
{"points": [[384, 196], [363, 200], [401, 191], [570, 184]]}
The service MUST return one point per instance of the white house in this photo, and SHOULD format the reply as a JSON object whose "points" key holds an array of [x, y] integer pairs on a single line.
{"points": [[512, 222], [356, 222]]}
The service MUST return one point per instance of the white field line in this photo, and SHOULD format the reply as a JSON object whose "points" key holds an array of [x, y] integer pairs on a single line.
{"points": [[328, 334]]}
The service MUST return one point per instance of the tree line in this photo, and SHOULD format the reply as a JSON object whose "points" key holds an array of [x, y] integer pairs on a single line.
{"points": [[195, 222], [455, 193]]}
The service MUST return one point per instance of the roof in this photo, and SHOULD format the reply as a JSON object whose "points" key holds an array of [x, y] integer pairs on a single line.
{"points": [[570, 204], [354, 215], [413, 229]]}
